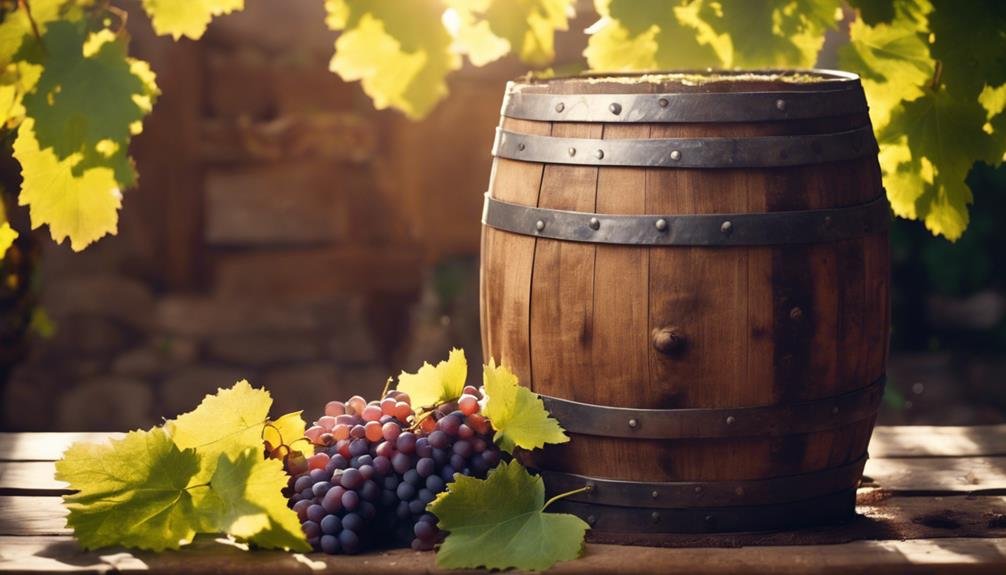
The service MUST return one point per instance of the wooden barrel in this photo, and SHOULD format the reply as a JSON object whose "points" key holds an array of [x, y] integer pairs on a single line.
{"points": [[693, 271]]}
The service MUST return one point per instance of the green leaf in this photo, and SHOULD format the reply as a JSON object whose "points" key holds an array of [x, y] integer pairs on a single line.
{"points": [[246, 500], [399, 51], [529, 26], [87, 93], [133, 492], [874, 12], [187, 18], [892, 59], [7, 233], [16, 26], [228, 422], [517, 413], [433, 385], [80, 206], [928, 148], [500, 523]]}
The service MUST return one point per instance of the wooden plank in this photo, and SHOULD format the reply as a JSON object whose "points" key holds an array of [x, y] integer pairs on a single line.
{"points": [[43, 446], [29, 515], [949, 441], [881, 516], [888, 441], [958, 555], [931, 475]]}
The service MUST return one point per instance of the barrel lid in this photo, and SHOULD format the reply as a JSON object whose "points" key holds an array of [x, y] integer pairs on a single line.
{"points": [[688, 81]]}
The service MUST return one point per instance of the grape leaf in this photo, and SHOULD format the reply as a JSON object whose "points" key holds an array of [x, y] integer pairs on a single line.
{"points": [[245, 499], [188, 18], [7, 237], [432, 385], [82, 207], [87, 91], [517, 413], [134, 491], [399, 51], [874, 12], [500, 523], [285, 432], [229, 421], [891, 59], [16, 26], [969, 39], [944, 137], [486, 30]]}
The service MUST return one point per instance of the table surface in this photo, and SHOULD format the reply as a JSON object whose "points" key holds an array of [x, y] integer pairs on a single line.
{"points": [[933, 501]]}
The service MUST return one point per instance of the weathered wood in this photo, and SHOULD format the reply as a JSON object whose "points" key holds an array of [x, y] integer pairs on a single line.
{"points": [[957, 555], [31, 515], [44, 446], [922, 474], [949, 441], [760, 325], [887, 441]]}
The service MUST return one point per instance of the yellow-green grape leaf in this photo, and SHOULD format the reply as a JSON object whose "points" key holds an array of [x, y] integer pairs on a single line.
{"points": [[500, 523], [7, 233], [7, 237], [16, 26], [432, 385], [400, 52], [187, 18], [648, 35], [229, 421], [83, 207], [517, 413], [135, 491], [87, 93], [892, 59], [245, 499], [529, 26], [935, 140], [286, 431]]}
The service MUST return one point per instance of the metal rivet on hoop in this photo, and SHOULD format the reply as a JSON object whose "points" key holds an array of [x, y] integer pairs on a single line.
{"points": [[655, 517], [521, 146], [834, 410], [663, 102], [599, 154], [539, 225], [780, 105], [795, 314], [661, 225], [739, 490], [727, 227], [731, 419], [655, 494], [589, 487], [615, 108], [594, 223], [675, 155], [591, 520], [698, 489], [560, 107], [633, 423], [572, 152]]}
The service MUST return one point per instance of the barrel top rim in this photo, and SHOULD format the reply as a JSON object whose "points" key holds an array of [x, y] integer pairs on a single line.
{"points": [[690, 81]]}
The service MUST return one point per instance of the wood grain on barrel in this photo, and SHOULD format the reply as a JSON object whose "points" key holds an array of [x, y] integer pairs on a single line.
{"points": [[562, 298], [506, 278], [761, 325]]}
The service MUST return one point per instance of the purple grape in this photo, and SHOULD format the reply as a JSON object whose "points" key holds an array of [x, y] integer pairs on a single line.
{"points": [[423, 448], [463, 448], [301, 508], [416, 506], [438, 439], [316, 475], [331, 524], [329, 544], [302, 483], [435, 483], [310, 529], [406, 442], [425, 530], [321, 488], [353, 522], [350, 500], [352, 479], [370, 491], [367, 471], [315, 513], [349, 541], [358, 447], [413, 477], [382, 465], [401, 463], [406, 491], [425, 467]]}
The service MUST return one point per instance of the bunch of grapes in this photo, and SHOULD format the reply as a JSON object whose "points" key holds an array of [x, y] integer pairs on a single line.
{"points": [[377, 465]]}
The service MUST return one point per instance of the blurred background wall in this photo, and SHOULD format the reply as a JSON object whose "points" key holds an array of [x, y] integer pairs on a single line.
{"points": [[286, 232]]}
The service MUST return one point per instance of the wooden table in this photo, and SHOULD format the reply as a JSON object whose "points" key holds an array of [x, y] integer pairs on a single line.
{"points": [[934, 501]]}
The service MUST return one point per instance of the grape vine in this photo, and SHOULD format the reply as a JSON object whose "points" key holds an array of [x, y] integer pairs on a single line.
{"points": [[934, 72]]}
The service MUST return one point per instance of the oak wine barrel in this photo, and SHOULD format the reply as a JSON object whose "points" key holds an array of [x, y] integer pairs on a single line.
{"points": [[692, 269]]}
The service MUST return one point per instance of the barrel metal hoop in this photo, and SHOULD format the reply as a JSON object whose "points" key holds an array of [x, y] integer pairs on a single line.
{"points": [[749, 229], [832, 508], [684, 494], [751, 152], [692, 423], [684, 107]]}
